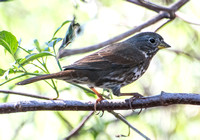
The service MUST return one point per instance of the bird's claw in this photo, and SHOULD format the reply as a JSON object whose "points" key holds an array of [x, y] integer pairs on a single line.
{"points": [[135, 96]]}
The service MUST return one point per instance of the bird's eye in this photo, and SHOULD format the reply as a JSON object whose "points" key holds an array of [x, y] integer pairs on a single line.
{"points": [[152, 40]]}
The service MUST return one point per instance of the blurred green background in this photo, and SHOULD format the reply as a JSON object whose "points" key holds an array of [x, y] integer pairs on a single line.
{"points": [[101, 20]]}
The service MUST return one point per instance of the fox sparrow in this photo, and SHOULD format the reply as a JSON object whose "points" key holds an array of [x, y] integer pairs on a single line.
{"points": [[113, 66]]}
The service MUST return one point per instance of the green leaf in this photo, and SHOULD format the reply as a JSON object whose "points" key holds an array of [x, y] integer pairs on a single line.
{"points": [[65, 22], [5, 73], [37, 45], [70, 34], [87, 91], [36, 71], [8, 41], [5, 99], [53, 42], [34, 56], [24, 74], [47, 49], [2, 72]]}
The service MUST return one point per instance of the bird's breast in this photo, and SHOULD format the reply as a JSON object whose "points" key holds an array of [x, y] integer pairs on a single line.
{"points": [[133, 74], [122, 77]]}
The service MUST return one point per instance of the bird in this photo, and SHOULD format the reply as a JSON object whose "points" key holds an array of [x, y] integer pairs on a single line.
{"points": [[112, 67]]}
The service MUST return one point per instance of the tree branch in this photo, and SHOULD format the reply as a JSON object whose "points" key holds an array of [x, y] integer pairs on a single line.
{"points": [[187, 19], [164, 99], [25, 94], [165, 23], [178, 52], [120, 117], [75, 131], [68, 52], [150, 5], [164, 12]]}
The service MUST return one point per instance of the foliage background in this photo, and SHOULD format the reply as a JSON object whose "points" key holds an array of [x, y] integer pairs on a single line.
{"points": [[101, 20]]}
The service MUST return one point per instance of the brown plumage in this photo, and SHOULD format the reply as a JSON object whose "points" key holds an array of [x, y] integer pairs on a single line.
{"points": [[113, 66]]}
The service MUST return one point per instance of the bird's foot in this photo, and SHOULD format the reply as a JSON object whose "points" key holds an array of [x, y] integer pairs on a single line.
{"points": [[98, 101], [100, 98], [134, 95]]}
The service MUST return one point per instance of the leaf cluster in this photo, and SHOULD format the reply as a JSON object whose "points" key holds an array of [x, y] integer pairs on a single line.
{"points": [[38, 56]]}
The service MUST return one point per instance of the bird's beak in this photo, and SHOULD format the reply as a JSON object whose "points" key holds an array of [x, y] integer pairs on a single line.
{"points": [[163, 45]]}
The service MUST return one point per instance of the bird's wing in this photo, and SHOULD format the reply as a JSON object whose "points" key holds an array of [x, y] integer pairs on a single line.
{"points": [[113, 56]]}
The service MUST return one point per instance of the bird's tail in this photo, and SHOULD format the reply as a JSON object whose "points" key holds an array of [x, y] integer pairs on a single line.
{"points": [[59, 75]]}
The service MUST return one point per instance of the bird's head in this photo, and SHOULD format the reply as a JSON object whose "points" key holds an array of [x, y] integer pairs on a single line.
{"points": [[148, 42]]}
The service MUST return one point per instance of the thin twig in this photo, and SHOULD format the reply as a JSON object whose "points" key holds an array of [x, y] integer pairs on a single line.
{"points": [[184, 53], [19, 128], [170, 13], [165, 23], [175, 6], [150, 5], [75, 131], [126, 122], [187, 18], [25, 94], [68, 52], [66, 122]]}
